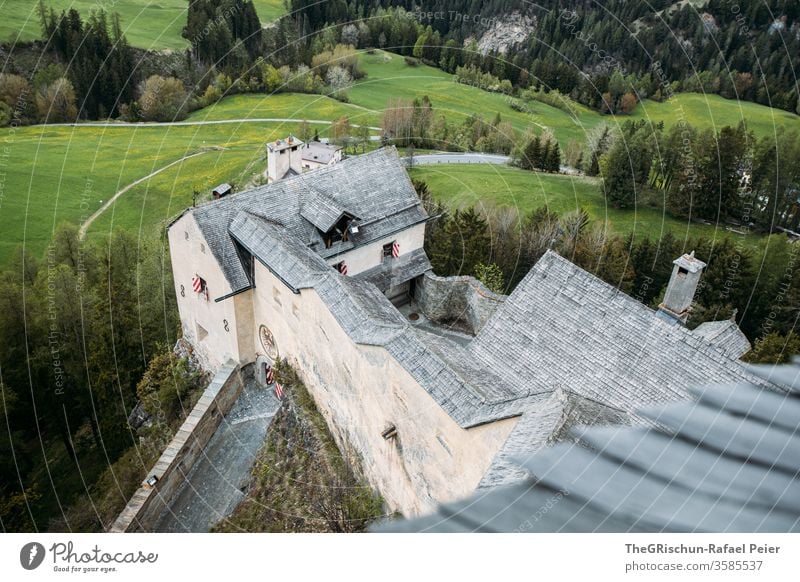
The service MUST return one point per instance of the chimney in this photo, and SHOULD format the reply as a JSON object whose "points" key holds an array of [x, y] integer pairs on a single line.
{"points": [[678, 299]]}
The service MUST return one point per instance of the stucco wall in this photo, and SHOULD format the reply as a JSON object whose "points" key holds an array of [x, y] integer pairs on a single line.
{"points": [[463, 299], [148, 503], [189, 256], [365, 257], [361, 390]]}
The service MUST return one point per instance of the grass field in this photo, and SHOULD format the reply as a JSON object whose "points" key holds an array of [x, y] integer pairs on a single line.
{"points": [[389, 76], [715, 111], [63, 174], [147, 24], [489, 186], [286, 105]]}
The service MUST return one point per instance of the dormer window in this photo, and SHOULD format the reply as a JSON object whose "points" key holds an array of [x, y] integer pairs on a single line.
{"points": [[341, 267], [339, 232]]}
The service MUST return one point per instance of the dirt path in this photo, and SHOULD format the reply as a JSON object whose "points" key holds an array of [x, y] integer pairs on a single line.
{"points": [[149, 124], [106, 205]]}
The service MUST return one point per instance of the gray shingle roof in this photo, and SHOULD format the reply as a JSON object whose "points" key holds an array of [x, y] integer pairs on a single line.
{"points": [[726, 335], [394, 271], [320, 211], [741, 473], [319, 152], [278, 250], [564, 328], [374, 186]]}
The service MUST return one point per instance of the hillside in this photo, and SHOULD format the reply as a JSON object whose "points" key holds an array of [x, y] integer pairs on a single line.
{"points": [[147, 25], [49, 167]]}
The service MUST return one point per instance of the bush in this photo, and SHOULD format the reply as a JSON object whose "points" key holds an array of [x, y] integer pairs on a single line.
{"points": [[411, 61], [16, 92], [163, 99], [56, 102]]}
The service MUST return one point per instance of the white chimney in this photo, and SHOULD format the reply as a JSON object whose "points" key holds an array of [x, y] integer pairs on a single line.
{"points": [[677, 304]]}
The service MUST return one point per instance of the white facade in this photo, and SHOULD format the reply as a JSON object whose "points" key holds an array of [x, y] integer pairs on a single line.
{"points": [[359, 389], [365, 257], [214, 328]]}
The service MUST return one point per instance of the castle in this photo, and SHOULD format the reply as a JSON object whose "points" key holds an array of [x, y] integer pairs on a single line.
{"points": [[327, 270]]}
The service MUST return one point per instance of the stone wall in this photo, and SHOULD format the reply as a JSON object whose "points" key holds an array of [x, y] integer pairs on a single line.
{"points": [[148, 503], [463, 300]]}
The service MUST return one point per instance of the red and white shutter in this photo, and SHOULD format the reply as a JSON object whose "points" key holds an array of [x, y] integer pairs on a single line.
{"points": [[343, 268], [270, 374], [395, 249], [197, 284]]}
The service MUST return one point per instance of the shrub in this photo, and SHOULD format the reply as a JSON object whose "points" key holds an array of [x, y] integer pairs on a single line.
{"points": [[163, 99]]}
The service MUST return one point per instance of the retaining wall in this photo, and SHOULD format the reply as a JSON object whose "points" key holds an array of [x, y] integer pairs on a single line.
{"points": [[148, 503]]}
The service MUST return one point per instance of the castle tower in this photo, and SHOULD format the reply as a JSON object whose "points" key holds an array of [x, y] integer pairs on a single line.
{"points": [[682, 286], [284, 158]]}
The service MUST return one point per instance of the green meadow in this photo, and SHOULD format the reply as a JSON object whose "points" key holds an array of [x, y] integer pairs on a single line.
{"points": [[286, 106], [388, 76], [52, 175], [491, 186], [146, 24]]}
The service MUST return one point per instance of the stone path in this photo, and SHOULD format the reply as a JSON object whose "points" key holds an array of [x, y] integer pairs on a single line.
{"points": [[214, 486]]}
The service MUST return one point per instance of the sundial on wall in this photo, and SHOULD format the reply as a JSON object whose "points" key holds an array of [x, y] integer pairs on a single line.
{"points": [[268, 342]]}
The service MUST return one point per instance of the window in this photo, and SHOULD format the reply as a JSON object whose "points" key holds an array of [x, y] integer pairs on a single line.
{"points": [[391, 250], [198, 284], [682, 272], [202, 248], [341, 267]]}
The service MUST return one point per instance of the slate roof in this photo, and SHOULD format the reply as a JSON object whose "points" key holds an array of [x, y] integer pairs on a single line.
{"points": [[315, 151], [726, 335], [726, 461], [374, 187], [394, 271], [564, 328], [321, 211]]}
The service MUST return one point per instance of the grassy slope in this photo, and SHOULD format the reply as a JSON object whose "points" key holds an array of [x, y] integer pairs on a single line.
{"points": [[150, 25], [460, 186], [389, 76], [300, 480], [63, 174], [285, 105], [715, 111]]}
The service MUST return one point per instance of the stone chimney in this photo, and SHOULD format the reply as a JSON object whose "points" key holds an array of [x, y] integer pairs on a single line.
{"points": [[677, 304]]}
